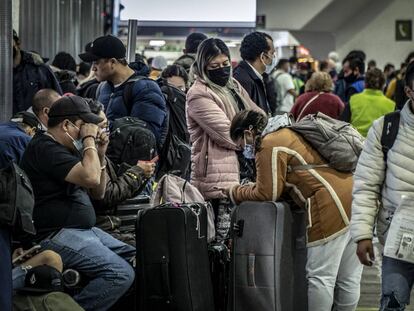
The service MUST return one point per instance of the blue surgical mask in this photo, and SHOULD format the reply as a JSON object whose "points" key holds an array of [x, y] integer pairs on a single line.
{"points": [[248, 151], [77, 143]]}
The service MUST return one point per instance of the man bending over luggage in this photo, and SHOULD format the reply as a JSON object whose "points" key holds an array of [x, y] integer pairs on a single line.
{"points": [[333, 270], [64, 164]]}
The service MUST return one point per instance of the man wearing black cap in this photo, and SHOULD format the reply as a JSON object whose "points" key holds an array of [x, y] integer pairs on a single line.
{"points": [[145, 100], [30, 74], [66, 165]]}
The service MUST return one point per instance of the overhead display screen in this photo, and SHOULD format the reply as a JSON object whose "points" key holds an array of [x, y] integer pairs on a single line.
{"points": [[191, 13]]}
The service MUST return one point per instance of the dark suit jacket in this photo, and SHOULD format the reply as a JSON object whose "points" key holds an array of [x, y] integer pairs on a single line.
{"points": [[254, 86]]}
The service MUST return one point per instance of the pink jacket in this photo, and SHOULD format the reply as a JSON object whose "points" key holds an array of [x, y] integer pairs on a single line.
{"points": [[214, 161]]}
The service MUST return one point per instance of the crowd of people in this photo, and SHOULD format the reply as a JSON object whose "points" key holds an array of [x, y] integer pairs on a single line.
{"points": [[242, 149]]}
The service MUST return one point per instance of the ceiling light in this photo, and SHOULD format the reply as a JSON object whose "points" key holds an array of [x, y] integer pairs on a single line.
{"points": [[157, 42]]}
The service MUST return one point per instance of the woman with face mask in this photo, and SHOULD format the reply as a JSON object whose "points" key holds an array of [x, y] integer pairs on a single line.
{"points": [[212, 102], [288, 167]]}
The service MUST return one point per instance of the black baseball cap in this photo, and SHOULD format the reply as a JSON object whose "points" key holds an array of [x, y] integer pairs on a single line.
{"points": [[43, 279], [104, 47], [67, 106], [26, 118]]}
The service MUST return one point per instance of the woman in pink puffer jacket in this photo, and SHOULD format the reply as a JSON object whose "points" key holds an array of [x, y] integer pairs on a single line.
{"points": [[212, 102]]}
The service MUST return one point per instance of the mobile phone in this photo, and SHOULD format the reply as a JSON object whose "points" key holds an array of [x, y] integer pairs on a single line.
{"points": [[32, 251]]}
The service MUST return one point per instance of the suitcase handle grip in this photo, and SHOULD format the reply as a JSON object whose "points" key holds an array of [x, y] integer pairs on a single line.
{"points": [[165, 275], [238, 228], [251, 260]]}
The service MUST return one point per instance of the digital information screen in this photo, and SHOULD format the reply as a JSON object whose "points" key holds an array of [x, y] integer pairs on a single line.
{"points": [[191, 13]]}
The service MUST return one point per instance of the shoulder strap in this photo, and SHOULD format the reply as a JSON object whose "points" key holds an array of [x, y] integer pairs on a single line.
{"points": [[307, 104], [127, 95], [390, 131]]}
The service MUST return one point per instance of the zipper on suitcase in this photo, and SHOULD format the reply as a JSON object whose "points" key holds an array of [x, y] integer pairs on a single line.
{"points": [[197, 212]]}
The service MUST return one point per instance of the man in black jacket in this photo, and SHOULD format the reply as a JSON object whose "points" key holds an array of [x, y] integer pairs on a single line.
{"points": [[30, 75], [258, 54]]}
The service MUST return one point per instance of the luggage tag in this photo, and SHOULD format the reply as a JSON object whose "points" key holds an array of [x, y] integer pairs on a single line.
{"points": [[406, 248]]}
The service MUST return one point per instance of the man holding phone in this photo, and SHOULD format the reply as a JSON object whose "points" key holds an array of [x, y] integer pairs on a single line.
{"points": [[66, 165]]}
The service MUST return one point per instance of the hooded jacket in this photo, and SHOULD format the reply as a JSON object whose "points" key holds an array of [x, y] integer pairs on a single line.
{"points": [[30, 76], [324, 192], [186, 61], [214, 161]]}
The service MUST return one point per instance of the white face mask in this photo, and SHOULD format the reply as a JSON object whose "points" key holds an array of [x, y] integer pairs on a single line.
{"points": [[271, 66]]}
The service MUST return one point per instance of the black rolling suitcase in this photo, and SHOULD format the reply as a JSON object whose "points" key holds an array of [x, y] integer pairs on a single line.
{"points": [[219, 256], [268, 267], [172, 259]]}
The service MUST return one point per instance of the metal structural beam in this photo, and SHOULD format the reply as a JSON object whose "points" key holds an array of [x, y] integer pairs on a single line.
{"points": [[6, 60], [51, 26], [132, 39]]}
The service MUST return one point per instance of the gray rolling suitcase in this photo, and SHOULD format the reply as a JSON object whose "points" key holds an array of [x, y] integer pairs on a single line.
{"points": [[268, 258]]}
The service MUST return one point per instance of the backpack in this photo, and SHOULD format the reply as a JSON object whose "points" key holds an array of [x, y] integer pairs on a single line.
{"points": [[131, 140], [175, 156], [336, 141], [389, 132], [54, 301], [16, 200], [174, 189]]}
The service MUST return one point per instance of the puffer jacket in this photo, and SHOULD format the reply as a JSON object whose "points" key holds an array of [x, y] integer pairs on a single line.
{"points": [[148, 104], [325, 192], [214, 161], [378, 187]]}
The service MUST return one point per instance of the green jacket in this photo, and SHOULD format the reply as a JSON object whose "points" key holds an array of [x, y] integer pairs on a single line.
{"points": [[368, 106]]}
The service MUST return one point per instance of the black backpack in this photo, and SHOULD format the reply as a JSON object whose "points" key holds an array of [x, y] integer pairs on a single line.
{"points": [[175, 156], [131, 140], [16, 200], [389, 132]]}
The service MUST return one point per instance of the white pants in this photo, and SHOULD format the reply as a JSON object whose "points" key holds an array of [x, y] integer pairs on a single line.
{"points": [[334, 274]]}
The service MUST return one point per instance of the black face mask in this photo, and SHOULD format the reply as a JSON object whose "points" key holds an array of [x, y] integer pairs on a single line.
{"points": [[14, 52], [351, 78], [219, 76]]}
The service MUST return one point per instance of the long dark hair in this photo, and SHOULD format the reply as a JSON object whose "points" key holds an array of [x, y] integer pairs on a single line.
{"points": [[245, 120]]}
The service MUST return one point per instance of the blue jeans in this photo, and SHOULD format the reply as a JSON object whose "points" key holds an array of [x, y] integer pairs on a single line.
{"points": [[99, 257], [5, 270], [397, 282]]}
